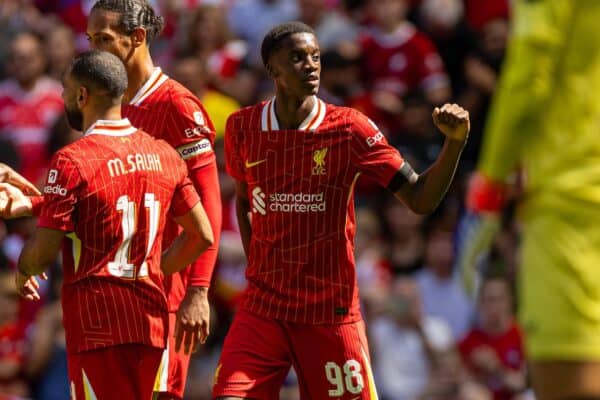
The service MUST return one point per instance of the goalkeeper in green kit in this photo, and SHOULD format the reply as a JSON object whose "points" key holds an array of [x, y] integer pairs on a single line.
{"points": [[545, 121]]}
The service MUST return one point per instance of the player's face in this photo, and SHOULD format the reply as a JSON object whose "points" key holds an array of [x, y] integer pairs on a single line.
{"points": [[103, 34], [296, 65], [69, 95]]}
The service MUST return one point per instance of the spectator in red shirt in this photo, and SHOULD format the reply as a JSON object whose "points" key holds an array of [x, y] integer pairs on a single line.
{"points": [[30, 104], [398, 60], [493, 352]]}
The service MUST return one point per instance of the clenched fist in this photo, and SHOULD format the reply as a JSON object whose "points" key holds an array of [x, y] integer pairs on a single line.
{"points": [[453, 121]]}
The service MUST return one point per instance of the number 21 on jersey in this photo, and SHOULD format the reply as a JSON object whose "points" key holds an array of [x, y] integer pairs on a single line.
{"points": [[121, 266]]}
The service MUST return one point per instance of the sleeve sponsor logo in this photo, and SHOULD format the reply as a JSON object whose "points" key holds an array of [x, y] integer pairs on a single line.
{"points": [[52, 175], [199, 117], [194, 149], [373, 140], [201, 129], [55, 189]]}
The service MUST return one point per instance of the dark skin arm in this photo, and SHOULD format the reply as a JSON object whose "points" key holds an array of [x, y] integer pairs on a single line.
{"points": [[423, 194], [242, 208], [38, 254]]}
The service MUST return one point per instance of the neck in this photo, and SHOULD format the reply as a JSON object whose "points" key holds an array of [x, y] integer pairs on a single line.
{"points": [[391, 27], [291, 111], [112, 113], [138, 73], [27, 86]]}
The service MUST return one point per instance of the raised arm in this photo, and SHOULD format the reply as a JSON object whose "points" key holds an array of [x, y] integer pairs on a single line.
{"points": [[422, 193]]}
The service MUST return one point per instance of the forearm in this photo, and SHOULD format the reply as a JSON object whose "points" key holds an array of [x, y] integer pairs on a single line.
{"points": [[424, 195], [244, 223], [39, 253], [206, 183], [181, 253]]}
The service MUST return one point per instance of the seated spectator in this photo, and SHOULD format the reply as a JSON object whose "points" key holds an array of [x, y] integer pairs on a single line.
{"points": [[223, 57], [13, 342], [332, 27], [191, 72], [30, 104], [406, 343], [397, 60], [493, 352], [441, 289]]}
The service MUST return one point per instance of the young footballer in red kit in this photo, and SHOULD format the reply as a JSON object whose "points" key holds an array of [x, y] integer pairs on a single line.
{"points": [[295, 160], [165, 109], [106, 202]]}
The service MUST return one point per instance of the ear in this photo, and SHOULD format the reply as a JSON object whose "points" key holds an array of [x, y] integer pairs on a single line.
{"points": [[271, 72], [138, 37], [83, 97]]}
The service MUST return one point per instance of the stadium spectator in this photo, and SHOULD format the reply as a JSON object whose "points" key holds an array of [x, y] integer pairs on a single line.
{"points": [[493, 351], [30, 104], [407, 343]]}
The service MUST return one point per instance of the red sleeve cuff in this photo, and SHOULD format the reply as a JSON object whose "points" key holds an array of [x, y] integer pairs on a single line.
{"points": [[36, 205], [485, 195]]}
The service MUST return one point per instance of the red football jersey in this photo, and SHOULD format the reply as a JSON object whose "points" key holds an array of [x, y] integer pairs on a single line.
{"points": [[26, 119], [402, 61], [508, 348], [300, 184], [167, 110], [112, 190]]}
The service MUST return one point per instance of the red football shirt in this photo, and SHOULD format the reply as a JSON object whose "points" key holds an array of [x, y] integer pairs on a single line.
{"points": [[26, 119], [167, 110], [402, 61], [508, 348], [300, 184], [112, 190]]}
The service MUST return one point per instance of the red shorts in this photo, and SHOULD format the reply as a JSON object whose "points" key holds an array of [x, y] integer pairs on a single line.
{"points": [[331, 361], [128, 371], [174, 375]]}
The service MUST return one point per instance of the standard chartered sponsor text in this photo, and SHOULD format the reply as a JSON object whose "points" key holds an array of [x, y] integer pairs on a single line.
{"points": [[297, 202]]}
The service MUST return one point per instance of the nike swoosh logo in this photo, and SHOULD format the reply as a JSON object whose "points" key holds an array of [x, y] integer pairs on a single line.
{"points": [[254, 163]]}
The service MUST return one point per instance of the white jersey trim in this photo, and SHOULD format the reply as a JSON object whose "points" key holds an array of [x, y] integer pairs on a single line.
{"points": [[119, 127], [311, 122], [157, 78]]}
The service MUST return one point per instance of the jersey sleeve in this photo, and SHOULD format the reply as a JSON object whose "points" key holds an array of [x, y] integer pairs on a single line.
{"points": [[372, 154], [185, 196], [233, 158], [192, 132], [62, 189], [530, 70]]}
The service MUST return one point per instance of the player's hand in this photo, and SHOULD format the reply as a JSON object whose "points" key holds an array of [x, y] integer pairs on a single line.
{"points": [[192, 320], [28, 286], [13, 202], [7, 174], [453, 121]]}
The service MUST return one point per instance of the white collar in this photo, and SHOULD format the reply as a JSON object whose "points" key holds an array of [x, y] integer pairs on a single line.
{"points": [[311, 122], [156, 79], [117, 127]]}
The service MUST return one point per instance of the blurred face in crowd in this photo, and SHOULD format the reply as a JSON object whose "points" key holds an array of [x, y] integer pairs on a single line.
{"points": [[439, 255], [388, 13], [311, 10], [60, 46], [103, 34], [189, 72], [405, 301], [26, 62], [494, 38], [495, 305], [296, 65], [209, 28]]}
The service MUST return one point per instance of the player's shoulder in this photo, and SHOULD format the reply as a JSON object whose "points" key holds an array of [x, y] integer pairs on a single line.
{"points": [[178, 94], [345, 116], [246, 116]]}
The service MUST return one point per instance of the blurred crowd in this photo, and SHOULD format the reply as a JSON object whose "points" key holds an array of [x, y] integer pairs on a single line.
{"points": [[392, 59]]}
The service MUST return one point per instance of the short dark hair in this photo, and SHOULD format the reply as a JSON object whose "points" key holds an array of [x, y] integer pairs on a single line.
{"points": [[134, 14], [100, 71], [272, 40]]}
